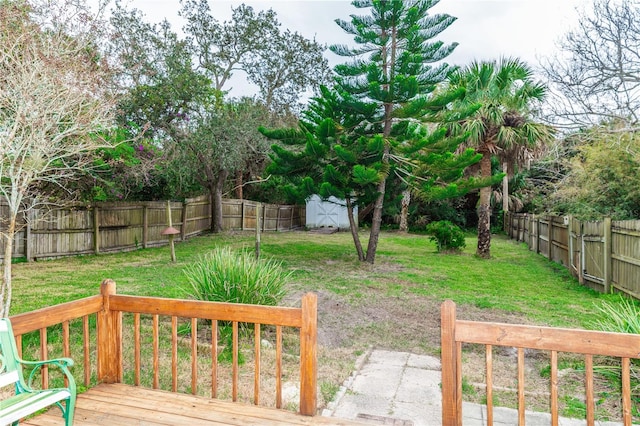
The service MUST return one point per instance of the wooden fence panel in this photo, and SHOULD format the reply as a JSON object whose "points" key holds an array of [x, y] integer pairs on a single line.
{"points": [[625, 256], [198, 216], [19, 238], [270, 217], [593, 255], [106, 227], [60, 231], [249, 218], [604, 255], [543, 236], [158, 221], [575, 248], [559, 240], [233, 213], [120, 226]]}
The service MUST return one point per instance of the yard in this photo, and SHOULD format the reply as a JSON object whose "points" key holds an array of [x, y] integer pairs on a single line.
{"points": [[393, 304]]}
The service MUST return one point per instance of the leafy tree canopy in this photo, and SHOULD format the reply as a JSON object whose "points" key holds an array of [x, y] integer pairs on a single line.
{"points": [[369, 125]]}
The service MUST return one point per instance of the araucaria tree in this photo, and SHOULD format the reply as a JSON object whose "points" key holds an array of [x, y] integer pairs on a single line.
{"points": [[502, 126], [368, 126], [52, 112]]}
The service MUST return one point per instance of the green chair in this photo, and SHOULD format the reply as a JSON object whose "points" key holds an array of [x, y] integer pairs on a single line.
{"points": [[27, 400]]}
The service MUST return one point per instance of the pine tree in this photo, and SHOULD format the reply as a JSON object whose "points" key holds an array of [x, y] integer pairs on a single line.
{"points": [[369, 126]]}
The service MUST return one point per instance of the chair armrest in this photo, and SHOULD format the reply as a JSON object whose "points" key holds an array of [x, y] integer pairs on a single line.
{"points": [[62, 363], [67, 362]]}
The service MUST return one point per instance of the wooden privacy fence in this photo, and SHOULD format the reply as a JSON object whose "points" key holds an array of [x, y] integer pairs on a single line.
{"points": [[604, 255], [107, 227]]}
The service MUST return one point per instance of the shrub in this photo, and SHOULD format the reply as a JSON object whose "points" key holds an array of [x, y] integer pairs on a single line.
{"points": [[447, 236], [225, 276]]}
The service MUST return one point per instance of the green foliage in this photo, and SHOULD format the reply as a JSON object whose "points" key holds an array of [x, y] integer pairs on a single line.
{"points": [[504, 95], [446, 235], [226, 354], [225, 276], [365, 136], [602, 178], [622, 316], [281, 64]]}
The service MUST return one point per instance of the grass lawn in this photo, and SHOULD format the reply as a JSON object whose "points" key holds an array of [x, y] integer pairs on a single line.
{"points": [[514, 281], [393, 304]]}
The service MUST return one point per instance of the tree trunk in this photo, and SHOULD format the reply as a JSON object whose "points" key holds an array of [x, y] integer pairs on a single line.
{"points": [[404, 212], [362, 213], [353, 226], [5, 290], [216, 198], [484, 210], [239, 193], [376, 221]]}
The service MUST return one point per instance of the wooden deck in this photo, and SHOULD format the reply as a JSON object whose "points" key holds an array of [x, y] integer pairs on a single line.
{"points": [[118, 404]]}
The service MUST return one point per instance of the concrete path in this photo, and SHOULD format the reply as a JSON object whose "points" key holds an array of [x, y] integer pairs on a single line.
{"points": [[403, 389]]}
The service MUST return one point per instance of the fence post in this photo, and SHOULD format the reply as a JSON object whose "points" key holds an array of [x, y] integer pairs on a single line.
{"points": [[292, 208], [607, 255], [308, 355], [28, 236], [242, 213], [258, 205], [450, 413], [264, 216], [183, 228], [582, 254], [570, 242], [145, 225], [549, 237], [109, 336], [537, 218], [96, 229]]}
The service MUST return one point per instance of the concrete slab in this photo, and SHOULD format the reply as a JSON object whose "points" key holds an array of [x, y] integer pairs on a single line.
{"points": [[403, 389]]}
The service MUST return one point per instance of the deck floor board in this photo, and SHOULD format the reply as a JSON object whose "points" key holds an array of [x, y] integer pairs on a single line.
{"points": [[118, 404]]}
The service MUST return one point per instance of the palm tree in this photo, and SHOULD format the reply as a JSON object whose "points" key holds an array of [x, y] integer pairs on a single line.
{"points": [[502, 126]]}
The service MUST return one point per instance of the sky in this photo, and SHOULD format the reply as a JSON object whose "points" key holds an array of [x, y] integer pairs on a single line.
{"points": [[484, 29]]}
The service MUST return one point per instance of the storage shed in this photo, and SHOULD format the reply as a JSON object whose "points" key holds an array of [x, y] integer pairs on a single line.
{"points": [[331, 213]]}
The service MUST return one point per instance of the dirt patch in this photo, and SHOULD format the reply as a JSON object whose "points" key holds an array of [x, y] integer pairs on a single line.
{"points": [[407, 322]]}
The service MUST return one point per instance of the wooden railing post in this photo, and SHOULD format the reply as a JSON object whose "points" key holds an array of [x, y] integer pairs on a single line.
{"points": [[109, 338], [450, 414], [308, 355]]}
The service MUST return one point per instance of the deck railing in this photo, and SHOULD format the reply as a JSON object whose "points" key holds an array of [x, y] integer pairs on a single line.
{"points": [[99, 321], [455, 332]]}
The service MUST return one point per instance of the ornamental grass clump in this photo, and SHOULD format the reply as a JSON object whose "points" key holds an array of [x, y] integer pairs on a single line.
{"points": [[619, 317], [622, 316], [236, 277]]}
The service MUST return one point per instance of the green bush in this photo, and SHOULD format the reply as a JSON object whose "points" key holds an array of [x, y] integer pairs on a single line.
{"points": [[226, 276], [447, 236]]}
